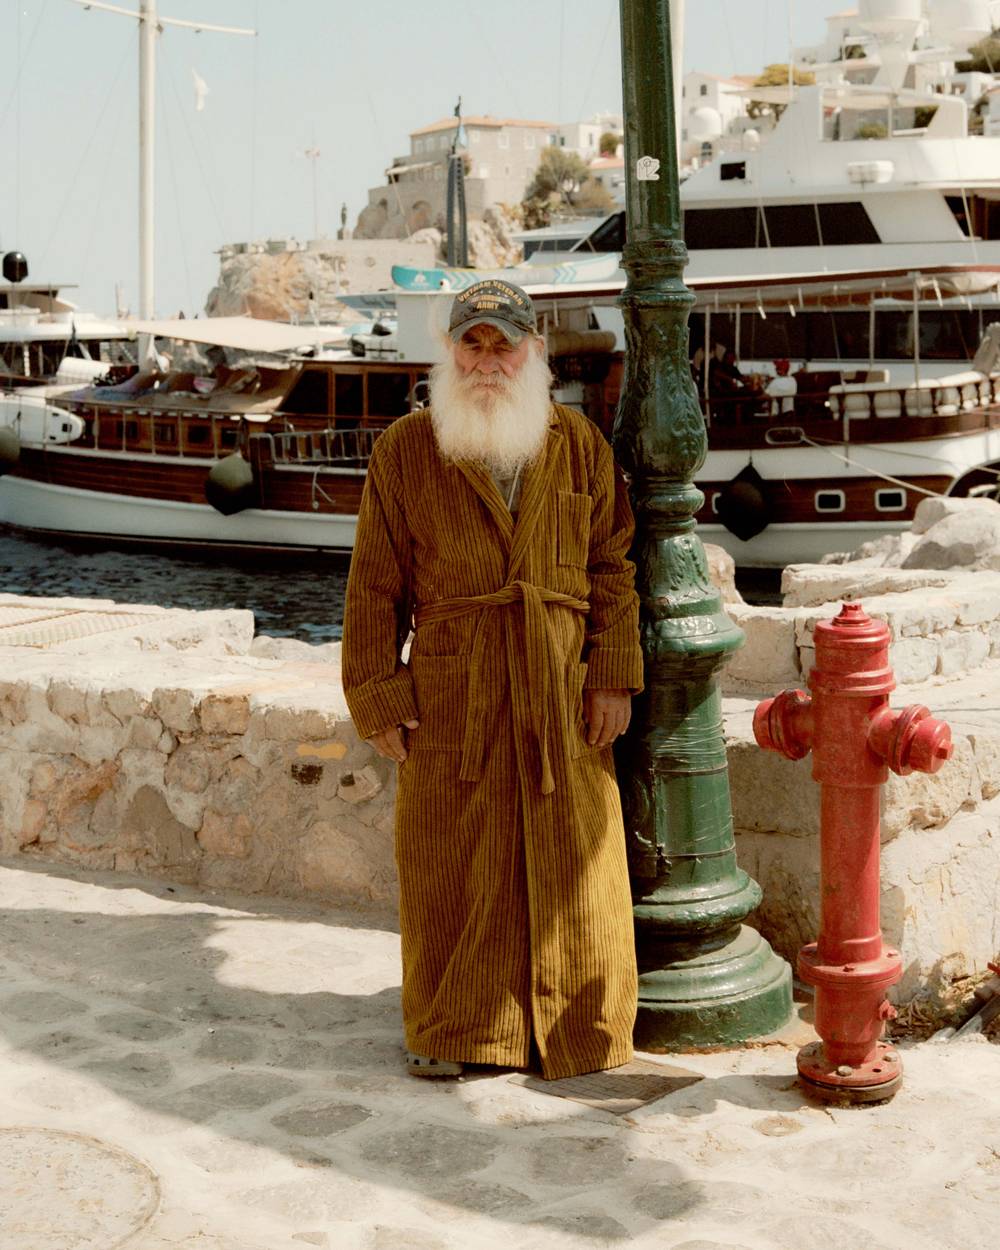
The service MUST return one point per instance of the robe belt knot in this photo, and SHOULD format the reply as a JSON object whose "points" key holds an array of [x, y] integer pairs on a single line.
{"points": [[535, 666]]}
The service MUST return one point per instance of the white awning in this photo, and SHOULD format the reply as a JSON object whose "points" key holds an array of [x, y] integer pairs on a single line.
{"points": [[250, 334]]}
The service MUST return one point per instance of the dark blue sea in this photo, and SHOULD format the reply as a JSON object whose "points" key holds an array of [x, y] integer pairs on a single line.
{"points": [[291, 595]]}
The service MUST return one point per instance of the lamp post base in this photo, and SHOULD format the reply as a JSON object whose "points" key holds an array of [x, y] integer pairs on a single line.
{"points": [[718, 997]]}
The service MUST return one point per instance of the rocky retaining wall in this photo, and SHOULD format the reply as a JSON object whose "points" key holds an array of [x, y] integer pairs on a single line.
{"points": [[177, 746], [942, 624]]}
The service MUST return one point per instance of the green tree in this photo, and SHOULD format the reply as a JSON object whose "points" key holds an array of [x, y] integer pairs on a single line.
{"points": [[984, 56], [558, 180], [777, 76], [871, 130], [608, 143]]}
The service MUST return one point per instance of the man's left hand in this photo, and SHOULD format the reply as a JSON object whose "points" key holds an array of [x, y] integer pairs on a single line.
{"points": [[607, 714]]}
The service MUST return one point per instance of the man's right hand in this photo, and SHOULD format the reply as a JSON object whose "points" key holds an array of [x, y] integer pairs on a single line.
{"points": [[389, 743]]}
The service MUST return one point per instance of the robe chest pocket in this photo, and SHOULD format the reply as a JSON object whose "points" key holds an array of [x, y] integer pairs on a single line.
{"points": [[441, 685], [573, 528]]}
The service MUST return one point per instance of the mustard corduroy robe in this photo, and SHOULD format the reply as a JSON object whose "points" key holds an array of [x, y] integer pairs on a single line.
{"points": [[515, 909]]}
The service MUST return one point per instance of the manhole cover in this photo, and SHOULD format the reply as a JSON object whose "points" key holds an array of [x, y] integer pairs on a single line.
{"points": [[63, 1191], [619, 1090]]}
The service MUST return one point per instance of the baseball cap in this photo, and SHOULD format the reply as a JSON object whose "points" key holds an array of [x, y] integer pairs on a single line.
{"points": [[496, 303]]}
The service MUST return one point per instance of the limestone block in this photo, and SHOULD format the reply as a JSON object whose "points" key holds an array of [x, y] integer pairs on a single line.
{"points": [[68, 702], [722, 573], [75, 795], [936, 508], [359, 786], [913, 615], [986, 754], [226, 835], [978, 604], [769, 657], [914, 659], [962, 650], [298, 724], [126, 704], [806, 619], [994, 637], [225, 714], [150, 821], [33, 817], [13, 698], [266, 648], [177, 708], [145, 732], [344, 858], [926, 801], [787, 870], [968, 538], [93, 745], [770, 793], [810, 585], [44, 776], [190, 768]]}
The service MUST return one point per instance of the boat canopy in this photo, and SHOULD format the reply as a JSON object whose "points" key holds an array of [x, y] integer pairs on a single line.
{"points": [[251, 334]]}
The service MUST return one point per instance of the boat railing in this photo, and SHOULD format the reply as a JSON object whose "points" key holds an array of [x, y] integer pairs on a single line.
{"points": [[945, 396], [336, 448]]}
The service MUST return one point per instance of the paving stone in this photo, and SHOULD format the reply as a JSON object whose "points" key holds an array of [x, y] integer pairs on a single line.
{"points": [[298, 1053], [709, 1245], [388, 1238], [60, 1045], [595, 1226], [135, 1026], [138, 1070], [575, 1160], [804, 1233], [41, 1006], [321, 1121], [432, 1151], [238, 1091], [229, 1046], [847, 1160], [699, 1200], [479, 1196]]}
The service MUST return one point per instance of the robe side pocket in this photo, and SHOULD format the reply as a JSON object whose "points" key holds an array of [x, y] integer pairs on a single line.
{"points": [[574, 528], [441, 686]]}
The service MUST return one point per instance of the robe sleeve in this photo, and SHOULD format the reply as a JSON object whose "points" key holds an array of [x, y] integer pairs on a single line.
{"points": [[613, 654], [377, 684]]}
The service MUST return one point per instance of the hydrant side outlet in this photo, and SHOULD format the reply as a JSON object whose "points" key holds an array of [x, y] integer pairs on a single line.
{"points": [[855, 738]]}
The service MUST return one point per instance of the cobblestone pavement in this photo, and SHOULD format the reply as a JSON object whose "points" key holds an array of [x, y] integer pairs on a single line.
{"points": [[215, 1073]]}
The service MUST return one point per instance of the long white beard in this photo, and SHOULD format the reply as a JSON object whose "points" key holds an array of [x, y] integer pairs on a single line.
{"points": [[498, 420]]}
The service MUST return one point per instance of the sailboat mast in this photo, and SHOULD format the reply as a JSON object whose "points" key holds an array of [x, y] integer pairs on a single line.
{"points": [[147, 136]]}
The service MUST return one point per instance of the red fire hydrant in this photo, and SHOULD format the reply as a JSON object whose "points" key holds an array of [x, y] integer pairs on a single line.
{"points": [[855, 738]]}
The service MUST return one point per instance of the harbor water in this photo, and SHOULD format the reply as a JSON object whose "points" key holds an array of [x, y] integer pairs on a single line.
{"points": [[291, 595]]}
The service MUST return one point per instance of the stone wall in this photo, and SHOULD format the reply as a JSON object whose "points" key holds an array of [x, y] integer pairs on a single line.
{"points": [[174, 744], [942, 623]]}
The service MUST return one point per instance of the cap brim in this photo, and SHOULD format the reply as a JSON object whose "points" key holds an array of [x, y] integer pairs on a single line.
{"points": [[511, 333]]}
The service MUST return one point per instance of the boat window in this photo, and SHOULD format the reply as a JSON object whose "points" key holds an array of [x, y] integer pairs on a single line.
{"points": [[730, 170], [349, 395], [851, 331], [309, 394], [776, 337], [388, 394], [227, 436], [720, 227], [846, 223], [197, 433], [985, 215], [164, 432], [890, 500], [830, 501], [792, 225], [132, 429]]}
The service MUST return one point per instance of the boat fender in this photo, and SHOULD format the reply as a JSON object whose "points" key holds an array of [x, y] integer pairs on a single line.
{"points": [[229, 487], [10, 449], [743, 506]]}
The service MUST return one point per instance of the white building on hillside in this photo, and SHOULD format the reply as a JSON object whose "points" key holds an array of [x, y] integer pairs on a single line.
{"points": [[713, 115]]}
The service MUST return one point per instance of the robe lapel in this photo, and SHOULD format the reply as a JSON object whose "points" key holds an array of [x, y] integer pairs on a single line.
{"points": [[534, 493], [478, 477]]}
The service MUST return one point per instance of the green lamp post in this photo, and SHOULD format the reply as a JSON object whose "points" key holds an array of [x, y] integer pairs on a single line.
{"points": [[705, 978]]}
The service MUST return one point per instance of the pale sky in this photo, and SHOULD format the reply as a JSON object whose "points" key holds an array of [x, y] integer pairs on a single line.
{"points": [[351, 78]]}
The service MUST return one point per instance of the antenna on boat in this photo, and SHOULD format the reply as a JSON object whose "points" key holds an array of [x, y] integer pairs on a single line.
{"points": [[150, 24]]}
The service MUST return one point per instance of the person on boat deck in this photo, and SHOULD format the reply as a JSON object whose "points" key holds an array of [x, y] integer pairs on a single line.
{"points": [[496, 525], [728, 389], [782, 389]]}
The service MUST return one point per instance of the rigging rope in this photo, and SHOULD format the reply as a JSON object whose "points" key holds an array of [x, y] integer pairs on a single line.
{"points": [[177, 211], [857, 464], [224, 234]]}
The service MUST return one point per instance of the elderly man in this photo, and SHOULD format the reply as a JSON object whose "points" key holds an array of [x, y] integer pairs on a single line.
{"points": [[494, 524]]}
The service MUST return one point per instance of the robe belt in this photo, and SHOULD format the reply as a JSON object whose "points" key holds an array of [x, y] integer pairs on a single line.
{"points": [[540, 683]]}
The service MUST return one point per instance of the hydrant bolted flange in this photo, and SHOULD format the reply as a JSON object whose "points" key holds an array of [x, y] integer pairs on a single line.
{"points": [[855, 739]]}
